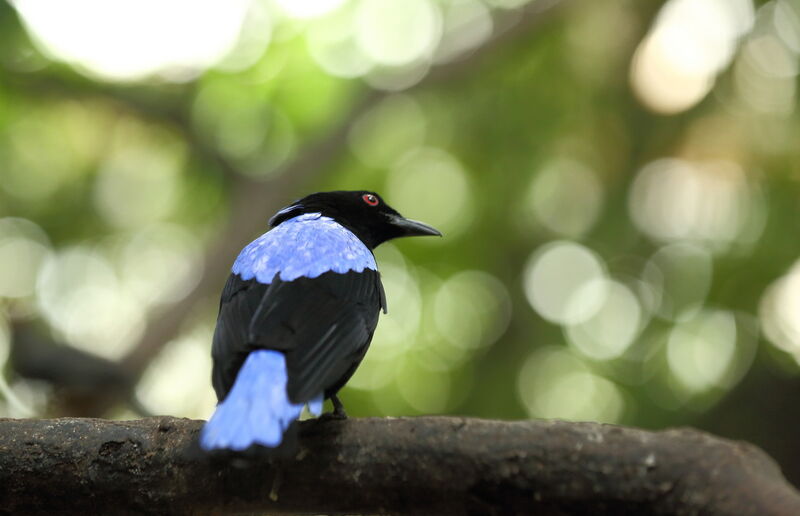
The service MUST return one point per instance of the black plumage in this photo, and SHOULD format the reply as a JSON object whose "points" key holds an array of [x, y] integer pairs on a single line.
{"points": [[324, 326]]}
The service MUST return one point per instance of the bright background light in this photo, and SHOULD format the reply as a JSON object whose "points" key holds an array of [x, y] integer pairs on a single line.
{"points": [[130, 40], [564, 282], [677, 63]]}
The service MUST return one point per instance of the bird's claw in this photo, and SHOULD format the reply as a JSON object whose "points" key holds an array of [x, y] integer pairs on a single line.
{"points": [[332, 416], [338, 413]]}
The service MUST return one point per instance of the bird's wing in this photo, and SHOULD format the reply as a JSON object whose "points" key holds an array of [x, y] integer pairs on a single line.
{"points": [[323, 324], [239, 301]]}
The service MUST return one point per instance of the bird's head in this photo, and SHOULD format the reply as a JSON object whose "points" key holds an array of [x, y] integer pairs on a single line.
{"points": [[362, 212]]}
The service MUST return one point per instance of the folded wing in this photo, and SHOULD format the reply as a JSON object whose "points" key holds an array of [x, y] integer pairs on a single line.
{"points": [[323, 325]]}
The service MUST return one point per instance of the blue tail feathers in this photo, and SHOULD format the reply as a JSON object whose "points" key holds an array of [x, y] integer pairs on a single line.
{"points": [[257, 409]]}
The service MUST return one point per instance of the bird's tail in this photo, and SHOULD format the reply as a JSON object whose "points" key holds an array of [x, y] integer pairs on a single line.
{"points": [[257, 409]]}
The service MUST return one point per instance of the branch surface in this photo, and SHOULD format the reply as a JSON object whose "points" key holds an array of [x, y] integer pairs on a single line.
{"points": [[426, 465]]}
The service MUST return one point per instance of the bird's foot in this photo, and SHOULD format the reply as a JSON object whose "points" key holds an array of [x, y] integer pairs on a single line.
{"points": [[338, 410]]}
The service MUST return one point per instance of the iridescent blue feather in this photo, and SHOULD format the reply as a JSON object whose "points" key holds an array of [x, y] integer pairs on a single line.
{"points": [[257, 410], [305, 246]]}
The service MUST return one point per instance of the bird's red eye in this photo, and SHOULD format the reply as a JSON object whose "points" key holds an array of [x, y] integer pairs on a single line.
{"points": [[370, 199]]}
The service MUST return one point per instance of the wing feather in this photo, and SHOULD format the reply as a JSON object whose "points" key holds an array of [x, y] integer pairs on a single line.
{"points": [[323, 324]]}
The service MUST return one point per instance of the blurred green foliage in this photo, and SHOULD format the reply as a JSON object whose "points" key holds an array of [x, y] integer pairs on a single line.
{"points": [[620, 208]]}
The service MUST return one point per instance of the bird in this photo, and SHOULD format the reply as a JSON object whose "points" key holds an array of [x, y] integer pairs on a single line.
{"points": [[297, 315]]}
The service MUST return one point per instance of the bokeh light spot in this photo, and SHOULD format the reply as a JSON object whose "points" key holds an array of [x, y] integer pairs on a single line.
{"points": [[765, 76], [308, 8], [786, 19], [397, 78], [161, 264], [426, 391], [138, 182], [434, 187], [700, 351], [396, 332], [565, 197], [676, 63], [471, 309], [397, 32], [23, 248], [79, 295], [20, 259], [332, 43], [176, 382], [554, 384], [254, 39], [769, 56], [664, 86], [710, 202], [388, 131], [779, 312], [507, 4], [139, 38], [613, 328], [466, 24], [560, 282]]}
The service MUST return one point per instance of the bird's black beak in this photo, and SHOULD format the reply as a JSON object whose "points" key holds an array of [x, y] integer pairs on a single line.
{"points": [[408, 227]]}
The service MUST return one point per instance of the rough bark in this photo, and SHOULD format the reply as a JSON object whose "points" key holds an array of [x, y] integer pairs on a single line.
{"points": [[429, 465]]}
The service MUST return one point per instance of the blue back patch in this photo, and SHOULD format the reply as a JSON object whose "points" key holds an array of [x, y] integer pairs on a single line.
{"points": [[304, 246]]}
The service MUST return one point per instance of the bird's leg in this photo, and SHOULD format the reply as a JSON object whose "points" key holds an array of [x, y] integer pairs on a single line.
{"points": [[338, 408]]}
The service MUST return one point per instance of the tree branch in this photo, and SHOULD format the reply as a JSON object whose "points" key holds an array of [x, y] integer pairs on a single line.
{"points": [[428, 465]]}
